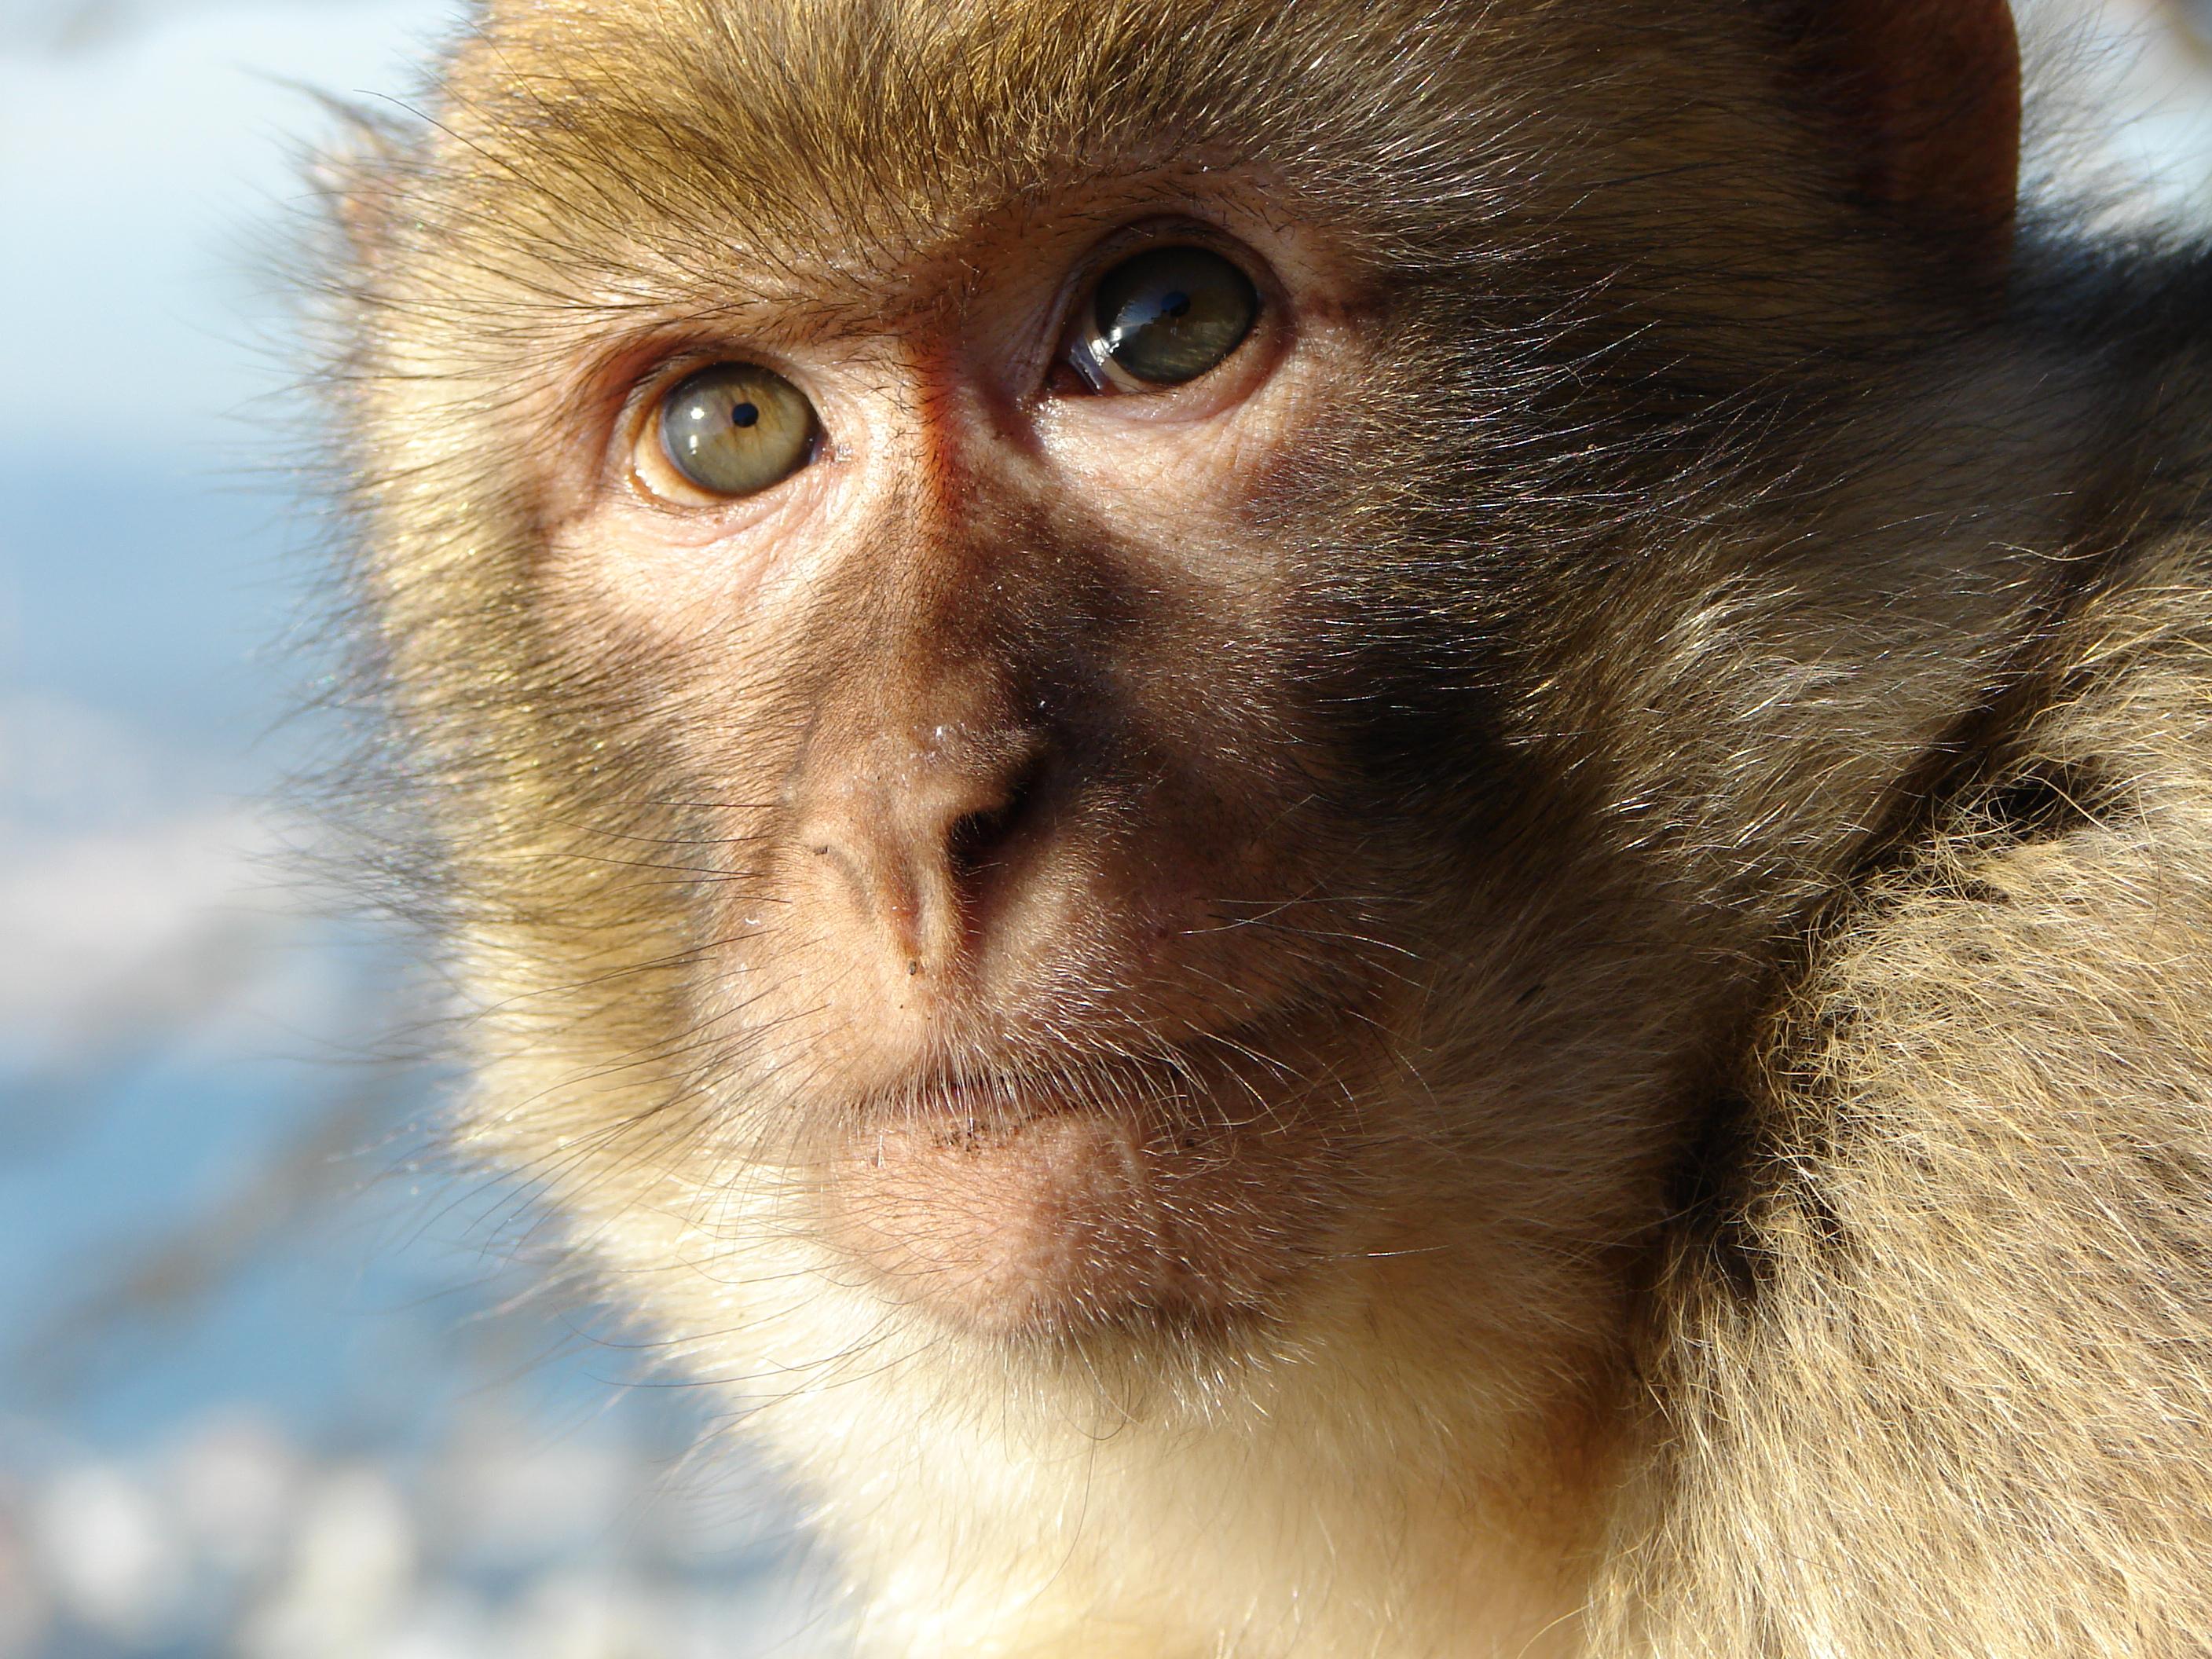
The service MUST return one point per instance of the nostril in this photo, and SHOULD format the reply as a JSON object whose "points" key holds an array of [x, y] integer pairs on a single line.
{"points": [[977, 839], [967, 848]]}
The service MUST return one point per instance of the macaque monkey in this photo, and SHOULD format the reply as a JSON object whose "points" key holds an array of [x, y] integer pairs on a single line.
{"points": [[1335, 829]]}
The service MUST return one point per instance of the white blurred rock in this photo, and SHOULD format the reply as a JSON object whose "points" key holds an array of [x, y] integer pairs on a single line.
{"points": [[346, 1588], [446, 1622], [233, 1482], [153, 927], [64, 762], [109, 1557], [582, 1615]]}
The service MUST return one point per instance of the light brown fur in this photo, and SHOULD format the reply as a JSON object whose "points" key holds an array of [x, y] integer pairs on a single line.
{"points": [[1633, 899]]}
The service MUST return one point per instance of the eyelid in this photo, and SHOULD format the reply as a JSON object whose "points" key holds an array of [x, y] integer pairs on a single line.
{"points": [[669, 370]]}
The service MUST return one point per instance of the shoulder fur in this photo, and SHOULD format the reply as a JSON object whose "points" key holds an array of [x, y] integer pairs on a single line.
{"points": [[1945, 1386]]}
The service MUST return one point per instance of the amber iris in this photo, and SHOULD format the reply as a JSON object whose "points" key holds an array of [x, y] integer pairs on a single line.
{"points": [[736, 428]]}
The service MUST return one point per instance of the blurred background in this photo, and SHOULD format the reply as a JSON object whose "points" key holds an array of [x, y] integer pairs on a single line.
{"points": [[272, 1383]]}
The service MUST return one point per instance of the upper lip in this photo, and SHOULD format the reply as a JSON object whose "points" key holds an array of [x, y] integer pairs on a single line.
{"points": [[1018, 1093], [1017, 1087]]}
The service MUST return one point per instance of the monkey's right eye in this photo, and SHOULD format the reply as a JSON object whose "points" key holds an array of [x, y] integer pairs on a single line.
{"points": [[733, 429]]}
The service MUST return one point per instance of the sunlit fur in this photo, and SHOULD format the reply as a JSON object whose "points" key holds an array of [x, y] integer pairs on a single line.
{"points": [[1703, 762]]}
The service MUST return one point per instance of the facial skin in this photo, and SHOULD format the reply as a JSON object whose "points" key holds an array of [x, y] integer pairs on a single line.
{"points": [[1043, 1077], [1180, 953]]}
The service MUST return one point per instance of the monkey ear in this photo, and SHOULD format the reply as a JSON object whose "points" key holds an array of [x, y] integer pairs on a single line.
{"points": [[356, 176], [1926, 94]]}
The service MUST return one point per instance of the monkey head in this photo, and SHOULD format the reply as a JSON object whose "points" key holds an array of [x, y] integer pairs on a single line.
{"points": [[1122, 707]]}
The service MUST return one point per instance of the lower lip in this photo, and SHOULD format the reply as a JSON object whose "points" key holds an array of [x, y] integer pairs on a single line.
{"points": [[1070, 1217]]}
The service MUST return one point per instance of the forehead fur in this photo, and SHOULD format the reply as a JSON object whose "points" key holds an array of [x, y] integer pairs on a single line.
{"points": [[676, 137]]}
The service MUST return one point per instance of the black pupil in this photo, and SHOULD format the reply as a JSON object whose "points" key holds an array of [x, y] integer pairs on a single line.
{"points": [[1169, 315], [735, 428]]}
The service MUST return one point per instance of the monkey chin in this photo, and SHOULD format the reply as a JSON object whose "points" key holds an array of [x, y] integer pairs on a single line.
{"points": [[1067, 1217]]}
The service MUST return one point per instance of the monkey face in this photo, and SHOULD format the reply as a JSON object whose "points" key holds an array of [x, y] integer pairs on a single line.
{"points": [[1119, 726], [1035, 935]]}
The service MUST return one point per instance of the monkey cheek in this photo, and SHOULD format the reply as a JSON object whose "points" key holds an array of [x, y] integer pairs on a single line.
{"points": [[1069, 1220]]}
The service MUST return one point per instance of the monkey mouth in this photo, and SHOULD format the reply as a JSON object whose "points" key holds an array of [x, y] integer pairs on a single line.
{"points": [[1051, 1200]]}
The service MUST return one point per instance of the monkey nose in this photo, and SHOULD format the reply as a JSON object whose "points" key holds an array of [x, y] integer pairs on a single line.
{"points": [[911, 850]]}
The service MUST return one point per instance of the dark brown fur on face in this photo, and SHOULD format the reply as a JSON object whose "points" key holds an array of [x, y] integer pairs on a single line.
{"points": [[1528, 981]]}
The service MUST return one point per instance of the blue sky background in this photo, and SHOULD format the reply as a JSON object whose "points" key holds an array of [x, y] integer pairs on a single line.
{"points": [[261, 1392], [254, 1395]]}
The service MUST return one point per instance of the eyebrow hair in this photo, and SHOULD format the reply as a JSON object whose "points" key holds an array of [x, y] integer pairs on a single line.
{"points": [[874, 129]]}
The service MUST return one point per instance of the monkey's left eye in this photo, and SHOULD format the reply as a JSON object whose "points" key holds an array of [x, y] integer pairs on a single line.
{"points": [[1164, 316], [730, 430]]}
